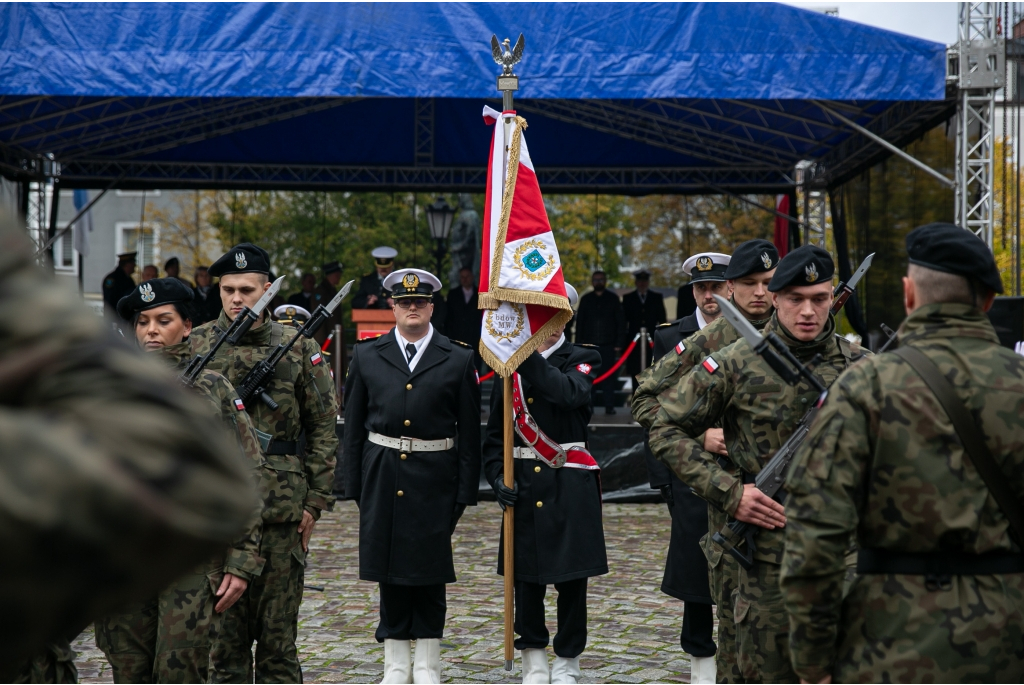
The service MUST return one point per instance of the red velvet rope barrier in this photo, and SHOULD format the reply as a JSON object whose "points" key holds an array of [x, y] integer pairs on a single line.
{"points": [[487, 376]]}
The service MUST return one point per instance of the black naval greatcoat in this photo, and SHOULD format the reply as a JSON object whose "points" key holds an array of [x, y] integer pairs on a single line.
{"points": [[686, 568], [370, 284], [406, 539], [562, 538]]}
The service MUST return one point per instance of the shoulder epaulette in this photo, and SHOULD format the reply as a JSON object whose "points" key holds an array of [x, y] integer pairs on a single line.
{"points": [[664, 325], [593, 347], [362, 340], [461, 344]]}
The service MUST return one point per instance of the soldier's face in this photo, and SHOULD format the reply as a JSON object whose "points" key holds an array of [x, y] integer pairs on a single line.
{"points": [[161, 326], [704, 293], [412, 315], [751, 293], [238, 291], [803, 310]]}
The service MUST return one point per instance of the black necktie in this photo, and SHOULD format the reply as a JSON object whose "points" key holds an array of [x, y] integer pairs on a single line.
{"points": [[410, 350]]}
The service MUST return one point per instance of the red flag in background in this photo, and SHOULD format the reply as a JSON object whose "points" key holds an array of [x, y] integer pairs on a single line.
{"points": [[782, 225]]}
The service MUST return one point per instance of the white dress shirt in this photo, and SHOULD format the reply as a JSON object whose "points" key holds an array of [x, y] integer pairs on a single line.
{"points": [[421, 346], [551, 350]]}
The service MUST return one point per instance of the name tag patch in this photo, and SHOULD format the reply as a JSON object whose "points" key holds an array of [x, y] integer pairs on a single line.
{"points": [[710, 365], [238, 405], [316, 359], [680, 347], [583, 368]]}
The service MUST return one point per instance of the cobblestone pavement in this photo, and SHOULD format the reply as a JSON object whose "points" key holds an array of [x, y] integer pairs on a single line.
{"points": [[634, 628]]}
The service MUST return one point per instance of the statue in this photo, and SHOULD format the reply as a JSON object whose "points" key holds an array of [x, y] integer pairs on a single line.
{"points": [[464, 240]]}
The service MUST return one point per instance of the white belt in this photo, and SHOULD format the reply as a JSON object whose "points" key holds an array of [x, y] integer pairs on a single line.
{"points": [[527, 453], [412, 444]]}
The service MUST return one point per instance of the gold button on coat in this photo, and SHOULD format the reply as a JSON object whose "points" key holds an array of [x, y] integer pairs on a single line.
{"points": [[403, 457], [407, 422], [540, 504], [529, 400], [536, 469], [400, 493], [408, 386]]}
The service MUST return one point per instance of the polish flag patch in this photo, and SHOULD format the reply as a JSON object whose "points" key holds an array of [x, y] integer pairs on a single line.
{"points": [[680, 347], [710, 365], [238, 405], [316, 359], [584, 368]]}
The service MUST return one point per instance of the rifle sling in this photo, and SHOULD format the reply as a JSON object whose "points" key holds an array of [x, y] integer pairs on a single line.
{"points": [[970, 436]]}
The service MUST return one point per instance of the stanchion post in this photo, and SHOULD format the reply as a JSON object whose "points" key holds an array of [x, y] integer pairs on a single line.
{"points": [[643, 348], [509, 532], [339, 363]]}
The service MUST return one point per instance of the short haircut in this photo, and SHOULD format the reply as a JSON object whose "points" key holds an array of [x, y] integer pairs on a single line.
{"points": [[596, 273], [202, 268], [934, 287]]}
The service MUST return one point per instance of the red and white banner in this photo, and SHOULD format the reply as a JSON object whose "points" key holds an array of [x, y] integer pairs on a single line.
{"points": [[521, 283]]}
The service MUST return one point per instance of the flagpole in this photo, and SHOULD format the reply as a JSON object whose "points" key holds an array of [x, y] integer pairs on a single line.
{"points": [[509, 528], [508, 83]]}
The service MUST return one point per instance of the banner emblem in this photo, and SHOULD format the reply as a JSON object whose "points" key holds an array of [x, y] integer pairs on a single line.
{"points": [[505, 323]]}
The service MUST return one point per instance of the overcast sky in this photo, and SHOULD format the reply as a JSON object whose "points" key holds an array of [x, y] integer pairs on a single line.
{"points": [[931, 20]]}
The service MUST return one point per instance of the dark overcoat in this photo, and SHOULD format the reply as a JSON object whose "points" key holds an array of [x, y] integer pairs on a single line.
{"points": [[406, 540], [370, 284], [322, 295], [116, 285], [562, 538], [648, 313], [686, 568]]}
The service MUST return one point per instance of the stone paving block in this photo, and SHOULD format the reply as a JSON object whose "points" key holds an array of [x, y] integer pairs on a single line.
{"points": [[633, 629]]}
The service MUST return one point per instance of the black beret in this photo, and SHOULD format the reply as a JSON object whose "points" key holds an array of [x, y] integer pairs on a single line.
{"points": [[331, 268], [244, 258], [752, 257], [949, 248], [806, 265], [153, 293]]}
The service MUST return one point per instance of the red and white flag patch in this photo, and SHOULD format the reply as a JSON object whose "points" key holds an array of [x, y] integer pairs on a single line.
{"points": [[316, 359], [584, 368], [680, 347], [238, 405], [710, 365]]}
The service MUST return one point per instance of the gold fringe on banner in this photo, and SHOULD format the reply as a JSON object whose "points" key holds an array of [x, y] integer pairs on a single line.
{"points": [[506, 369], [512, 173]]}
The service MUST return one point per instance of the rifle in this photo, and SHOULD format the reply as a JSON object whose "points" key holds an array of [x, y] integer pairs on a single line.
{"points": [[239, 327], [255, 382], [892, 338], [772, 477], [843, 291]]}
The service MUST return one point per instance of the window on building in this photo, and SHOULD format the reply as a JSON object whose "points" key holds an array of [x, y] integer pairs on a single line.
{"points": [[145, 241], [65, 258]]}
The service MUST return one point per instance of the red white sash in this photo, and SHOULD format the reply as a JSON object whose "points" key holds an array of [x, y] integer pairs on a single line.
{"points": [[546, 449]]}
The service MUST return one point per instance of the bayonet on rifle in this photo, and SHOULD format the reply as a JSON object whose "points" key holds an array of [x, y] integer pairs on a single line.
{"points": [[843, 291], [255, 382], [242, 323]]}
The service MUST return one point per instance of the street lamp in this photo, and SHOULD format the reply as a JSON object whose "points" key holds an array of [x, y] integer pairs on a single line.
{"points": [[439, 219]]}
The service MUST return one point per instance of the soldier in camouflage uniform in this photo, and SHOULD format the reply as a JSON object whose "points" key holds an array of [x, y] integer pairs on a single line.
{"points": [[758, 411], [116, 480], [883, 463], [166, 638], [298, 482], [750, 270]]}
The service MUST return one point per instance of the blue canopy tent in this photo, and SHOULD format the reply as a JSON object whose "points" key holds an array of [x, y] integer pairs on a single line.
{"points": [[620, 98]]}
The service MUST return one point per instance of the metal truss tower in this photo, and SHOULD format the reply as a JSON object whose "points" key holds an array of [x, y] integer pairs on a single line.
{"points": [[976, 64]]}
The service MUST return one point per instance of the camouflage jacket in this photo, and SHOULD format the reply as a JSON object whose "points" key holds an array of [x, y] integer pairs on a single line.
{"points": [[304, 390], [242, 559], [665, 373], [756, 408], [114, 480], [883, 463]]}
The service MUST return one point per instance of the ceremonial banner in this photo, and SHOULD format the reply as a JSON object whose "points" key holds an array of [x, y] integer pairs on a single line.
{"points": [[521, 283]]}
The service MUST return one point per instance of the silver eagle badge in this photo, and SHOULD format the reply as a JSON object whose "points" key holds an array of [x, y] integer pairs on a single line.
{"points": [[146, 292], [240, 260], [766, 260], [812, 273]]}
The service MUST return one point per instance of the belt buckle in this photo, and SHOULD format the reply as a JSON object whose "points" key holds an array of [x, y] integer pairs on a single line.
{"points": [[405, 444], [532, 423]]}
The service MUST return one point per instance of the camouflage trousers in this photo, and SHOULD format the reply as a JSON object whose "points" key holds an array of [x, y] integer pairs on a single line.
{"points": [[267, 614], [54, 664], [723, 578], [762, 626], [165, 639], [896, 629]]}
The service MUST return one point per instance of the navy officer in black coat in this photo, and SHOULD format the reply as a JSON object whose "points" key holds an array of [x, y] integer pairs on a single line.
{"points": [[372, 293], [559, 537], [707, 279], [412, 453]]}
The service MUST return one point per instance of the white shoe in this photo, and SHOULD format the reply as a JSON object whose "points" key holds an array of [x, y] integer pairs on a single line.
{"points": [[427, 667], [702, 669], [535, 667], [565, 670], [396, 662]]}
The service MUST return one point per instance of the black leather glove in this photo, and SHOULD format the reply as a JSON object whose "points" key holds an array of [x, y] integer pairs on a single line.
{"points": [[457, 513], [506, 496], [666, 494]]}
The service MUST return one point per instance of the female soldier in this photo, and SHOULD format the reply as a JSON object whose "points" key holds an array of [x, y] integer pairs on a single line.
{"points": [[166, 639]]}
